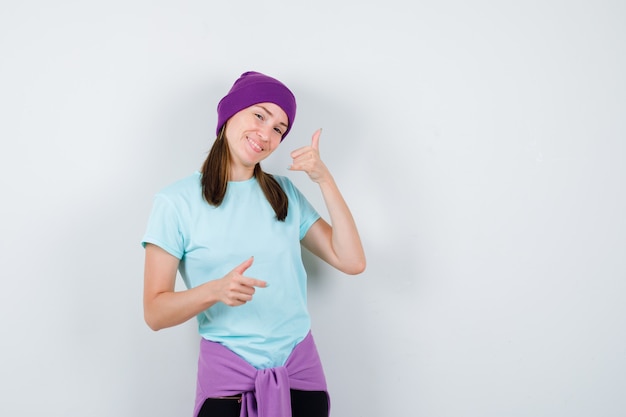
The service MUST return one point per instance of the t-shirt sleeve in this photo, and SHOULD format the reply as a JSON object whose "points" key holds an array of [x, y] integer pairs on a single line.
{"points": [[307, 213], [164, 227]]}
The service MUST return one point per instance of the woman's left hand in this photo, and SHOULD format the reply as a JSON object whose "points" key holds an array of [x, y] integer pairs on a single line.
{"points": [[308, 159]]}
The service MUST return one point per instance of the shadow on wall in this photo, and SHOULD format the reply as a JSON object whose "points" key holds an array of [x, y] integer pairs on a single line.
{"points": [[360, 322]]}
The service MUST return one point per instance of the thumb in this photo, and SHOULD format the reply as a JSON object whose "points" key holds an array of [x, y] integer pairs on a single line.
{"points": [[315, 141], [241, 268]]}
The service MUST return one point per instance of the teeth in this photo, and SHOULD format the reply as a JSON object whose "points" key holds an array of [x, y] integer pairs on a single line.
{"points": [[254, 144]]}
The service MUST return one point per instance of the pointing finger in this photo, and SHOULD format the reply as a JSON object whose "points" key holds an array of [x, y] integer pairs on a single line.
{"points": [[251, 282]]}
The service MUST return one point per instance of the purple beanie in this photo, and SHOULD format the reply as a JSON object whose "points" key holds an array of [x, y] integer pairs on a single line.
{"points": [[253, 88]]}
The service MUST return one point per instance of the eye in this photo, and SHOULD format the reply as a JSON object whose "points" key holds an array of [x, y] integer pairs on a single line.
{"points": [[278, 130], [258, 116]]}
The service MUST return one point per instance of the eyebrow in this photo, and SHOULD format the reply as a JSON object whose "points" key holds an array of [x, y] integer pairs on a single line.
{"points": [[271, 114]]}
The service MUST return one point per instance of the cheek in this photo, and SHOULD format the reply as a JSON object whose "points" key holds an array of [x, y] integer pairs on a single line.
{"points": [[228, 133], [275, 144]]}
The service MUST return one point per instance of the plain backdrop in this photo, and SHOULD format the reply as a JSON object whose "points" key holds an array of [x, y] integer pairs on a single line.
{"points": [[480, 144]]}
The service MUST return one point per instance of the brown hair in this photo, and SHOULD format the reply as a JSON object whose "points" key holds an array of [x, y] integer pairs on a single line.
{"points": [[214, 179]]}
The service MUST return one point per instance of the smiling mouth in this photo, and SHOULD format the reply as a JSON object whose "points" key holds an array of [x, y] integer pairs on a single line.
{"points": [[254, 145]]}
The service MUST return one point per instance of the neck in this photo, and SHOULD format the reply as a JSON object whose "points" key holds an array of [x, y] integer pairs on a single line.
{"points": [[240, 173]]}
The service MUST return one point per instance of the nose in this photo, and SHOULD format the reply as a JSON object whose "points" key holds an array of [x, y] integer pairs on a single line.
{"points": [[263, 133]]}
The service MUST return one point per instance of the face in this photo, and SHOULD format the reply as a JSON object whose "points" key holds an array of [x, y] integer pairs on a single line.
{"points": [[254, 133]]}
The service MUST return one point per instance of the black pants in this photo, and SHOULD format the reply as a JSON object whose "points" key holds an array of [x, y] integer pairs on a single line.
{"points": [[303, 404]]}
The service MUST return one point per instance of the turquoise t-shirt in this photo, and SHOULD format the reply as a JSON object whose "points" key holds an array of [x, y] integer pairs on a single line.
{"points": [[211, 241]]}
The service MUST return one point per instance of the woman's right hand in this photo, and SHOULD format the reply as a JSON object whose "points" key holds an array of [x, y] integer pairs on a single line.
{"points": [[164, 307], [235, 289]]}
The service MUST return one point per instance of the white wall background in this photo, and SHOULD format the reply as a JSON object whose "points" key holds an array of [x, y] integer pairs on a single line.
{"points": [[481, 146]]}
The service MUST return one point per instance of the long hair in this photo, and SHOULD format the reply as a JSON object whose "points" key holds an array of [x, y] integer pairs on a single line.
{"points": [[216, 169]]}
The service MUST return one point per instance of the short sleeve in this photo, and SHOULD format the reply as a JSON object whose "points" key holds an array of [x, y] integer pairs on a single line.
{"points": [[164, 227], [306, 212]]}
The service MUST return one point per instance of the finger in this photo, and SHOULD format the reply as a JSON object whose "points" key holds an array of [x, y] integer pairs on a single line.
{"points": [[241, 268], [244, 291], [315, 141], [253, 282], [299, 165], [299, 151], [299, 158]]}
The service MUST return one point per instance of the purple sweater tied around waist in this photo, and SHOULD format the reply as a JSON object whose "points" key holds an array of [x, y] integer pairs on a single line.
{"points": [[265, 392]]}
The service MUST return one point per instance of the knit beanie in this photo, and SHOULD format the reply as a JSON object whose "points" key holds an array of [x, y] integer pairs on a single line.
{"points": [[253, 88]]}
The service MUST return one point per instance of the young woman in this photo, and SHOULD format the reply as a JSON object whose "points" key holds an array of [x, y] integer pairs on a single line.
{"points": [[234, 233]]}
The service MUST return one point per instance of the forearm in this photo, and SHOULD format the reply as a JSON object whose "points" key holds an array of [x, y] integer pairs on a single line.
{"points": [[169, 308], [339, 243], [345, 240]]}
